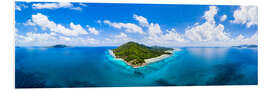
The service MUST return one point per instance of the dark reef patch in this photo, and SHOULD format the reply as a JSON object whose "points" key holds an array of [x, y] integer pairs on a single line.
{"points": [[227, 74], [162, 82], [28, 80]]}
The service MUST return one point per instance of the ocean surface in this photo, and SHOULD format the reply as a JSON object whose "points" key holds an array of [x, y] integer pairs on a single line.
{"points": [[37, 67]]}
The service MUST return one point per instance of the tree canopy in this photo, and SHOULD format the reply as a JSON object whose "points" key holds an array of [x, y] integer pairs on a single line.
{"points": [[136, 53]]}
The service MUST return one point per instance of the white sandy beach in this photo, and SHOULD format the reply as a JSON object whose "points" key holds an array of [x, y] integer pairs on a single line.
{"points": [[164, 56], [150, 60]]}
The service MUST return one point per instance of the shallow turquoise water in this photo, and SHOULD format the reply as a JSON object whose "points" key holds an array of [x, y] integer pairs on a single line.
{"points": [[94, 67]]}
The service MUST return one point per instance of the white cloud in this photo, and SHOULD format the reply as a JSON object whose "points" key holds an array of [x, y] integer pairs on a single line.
{"points": [[40, 37], [253, 39], [223, 18], [76, 8], [129, 27], [210, 14], [82, 4], [92, 30], [55, 5], [154, 32], [99, 21], [48, 39], [121, 36], [211, 34], [208, 31], [142, 20], [172, 35], [59, 34], [154, 35], [19, 7], [242, 40], [154, 29], [64, 38], [34, 39], [29, 23], [119, 39], [157, 37], [239, 38], [78, 41], [52, 5], [22, 39], [43, 21], [246, 15]]}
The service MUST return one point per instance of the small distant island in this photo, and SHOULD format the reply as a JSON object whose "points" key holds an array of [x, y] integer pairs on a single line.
{"points": [[138, 55], [246, 46], [58, 46]]}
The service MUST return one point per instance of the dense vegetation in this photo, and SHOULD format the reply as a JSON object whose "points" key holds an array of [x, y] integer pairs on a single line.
{"points": [[58, 46], [135, 53], [246, 46]]}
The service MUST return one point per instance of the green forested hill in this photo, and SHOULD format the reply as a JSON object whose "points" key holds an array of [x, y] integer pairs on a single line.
{"points": [[58, 46], [135, 53]]}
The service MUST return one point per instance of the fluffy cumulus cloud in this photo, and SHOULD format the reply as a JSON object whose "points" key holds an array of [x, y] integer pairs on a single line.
{"points": [[209, 30], [121, 36], [80, 41], [154, 29], [172, 35], [43, 21], [223, 18], [156, 34], [52, 5], [19, 7], [75, 34], [153, 34], [82, 4], [29, 23], [142, 20], [45, 39], [247, 15], [129, 27], [38, 39], [118, 39], [55, 5], [210, 33], [253, 39], [205, 33], [157, 37], [239, 38], [210, 14], [92, 30]]}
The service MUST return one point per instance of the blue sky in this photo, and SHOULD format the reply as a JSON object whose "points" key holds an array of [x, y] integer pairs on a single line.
{"points": [[105, 24]]}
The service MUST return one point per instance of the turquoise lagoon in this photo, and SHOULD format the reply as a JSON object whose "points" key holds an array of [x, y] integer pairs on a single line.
{"points": [[37, 67]]}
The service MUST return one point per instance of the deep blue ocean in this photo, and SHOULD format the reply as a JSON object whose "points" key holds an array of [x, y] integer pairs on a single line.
{"points": [[38, 67]]}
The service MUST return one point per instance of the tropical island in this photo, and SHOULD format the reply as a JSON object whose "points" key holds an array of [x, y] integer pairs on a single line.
{"points": [[138, 55], [58, 46], [246, 46]]}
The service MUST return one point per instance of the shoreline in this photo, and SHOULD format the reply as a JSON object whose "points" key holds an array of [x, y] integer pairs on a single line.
{"points": [[150, 60], [112, 54], [161, 57]]}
